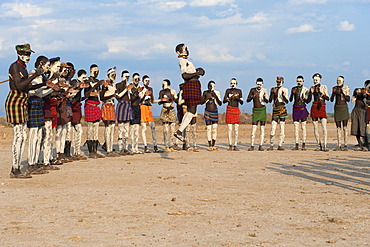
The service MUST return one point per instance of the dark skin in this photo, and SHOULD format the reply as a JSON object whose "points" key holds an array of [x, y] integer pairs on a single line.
{"points": [[254, 95], [211, 97], [360, 97], [274, 97], [340, 99], [135, 98], [168, 99], [298, 101], [315, 92], [18, 76], [235, 99], [149, 101]]}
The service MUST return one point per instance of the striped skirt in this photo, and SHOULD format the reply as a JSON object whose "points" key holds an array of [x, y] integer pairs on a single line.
{"points": [[35, 113], [192, 93], [124, 111], [16, 107]]}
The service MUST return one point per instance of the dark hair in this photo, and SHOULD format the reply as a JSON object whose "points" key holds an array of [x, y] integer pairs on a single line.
{"points": [[211, 82], [70, 65], [300, 77], [40, 59], [123, 72], [135, 74], [179, 47], [317, 74], [168, 82], [145, 76], [259, 79], [367, 82], [341, 77], [93, 66], [81, 72], [54, 60]]}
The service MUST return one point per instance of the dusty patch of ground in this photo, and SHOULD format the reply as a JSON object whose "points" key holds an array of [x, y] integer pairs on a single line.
{"points": [[278, 198]]}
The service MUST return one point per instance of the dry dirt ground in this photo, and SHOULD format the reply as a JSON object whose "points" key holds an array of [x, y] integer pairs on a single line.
{"points": [[275, 198]]}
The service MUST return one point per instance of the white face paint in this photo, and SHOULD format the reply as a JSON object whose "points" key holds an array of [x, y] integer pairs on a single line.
{"points": [[64, 72], [279, 83], [211, 86], [94, 72], [316, 80], [125, 77], [233, 83], [112, 75], [146, 81], [340, 81], [25, 57], [46, 66], [184, 51], [259, 84], [82, 77], [299, 82], [136, 79], [165, 85], [55, 67]]}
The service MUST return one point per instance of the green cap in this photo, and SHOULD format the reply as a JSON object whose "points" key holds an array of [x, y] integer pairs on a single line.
{"points": [[25, 47]]}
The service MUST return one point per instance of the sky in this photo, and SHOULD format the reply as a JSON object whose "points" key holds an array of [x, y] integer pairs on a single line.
{"points": [[244, 39]]}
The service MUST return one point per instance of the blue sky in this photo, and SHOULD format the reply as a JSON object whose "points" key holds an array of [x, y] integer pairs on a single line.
{"points": [[229, 38]]}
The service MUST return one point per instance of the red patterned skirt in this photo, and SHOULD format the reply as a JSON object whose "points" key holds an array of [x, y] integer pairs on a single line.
{"points": [[232, 115], [192, 92], [318, 111], [92, 111]]}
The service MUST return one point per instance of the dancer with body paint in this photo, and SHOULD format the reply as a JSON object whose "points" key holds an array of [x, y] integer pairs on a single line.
{"points": [[233, 97], [359, 117], [259, 96], [299, 94]]}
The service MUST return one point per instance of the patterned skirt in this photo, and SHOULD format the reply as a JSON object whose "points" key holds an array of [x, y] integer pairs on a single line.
{"points": [[124, 111], [16, 107], [108, 112], [192, 93], [211, 115], [168, 115], [92, 111], [35, 113], [279, 111], [232, 115]]}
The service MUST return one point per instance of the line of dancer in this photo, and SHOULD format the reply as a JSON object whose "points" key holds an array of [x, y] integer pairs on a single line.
{"points": [[46, 105]]}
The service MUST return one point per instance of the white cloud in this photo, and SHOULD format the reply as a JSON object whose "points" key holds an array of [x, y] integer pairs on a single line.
{"points": [[219, 54], [305, 28], [345, 26], [206, 3], [26, 9]]}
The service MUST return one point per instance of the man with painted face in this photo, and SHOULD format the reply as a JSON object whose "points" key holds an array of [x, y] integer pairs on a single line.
{"points": [[192, 93], [16, 105], [341, 94], [76, 97], [167, 97], [299, 94], [233, 97], [107, 95], [181, 110], [147, 115], [359, 116], [123, 111], [278, 95], [211, 98], [260, 98], [137, 96], [93, 112], [318, 110], [36, 122]]}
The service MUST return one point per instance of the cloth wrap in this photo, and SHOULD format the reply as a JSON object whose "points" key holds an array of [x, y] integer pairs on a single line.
{"points": [[358, 121], [50, 110], [191, 92], [232, 115], [341, 113], [279, 111], [124, 111], [76, 112], [146, 114], [16, 107], [299, 112], [136, 114], [108, 112], [211, 115], [92, 111], [35, 113], [63, 113], [168, 115], [318, 110], [258, 114]]}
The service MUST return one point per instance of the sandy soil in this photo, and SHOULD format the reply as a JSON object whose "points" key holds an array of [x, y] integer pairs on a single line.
{"points": [[276, 198]]}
